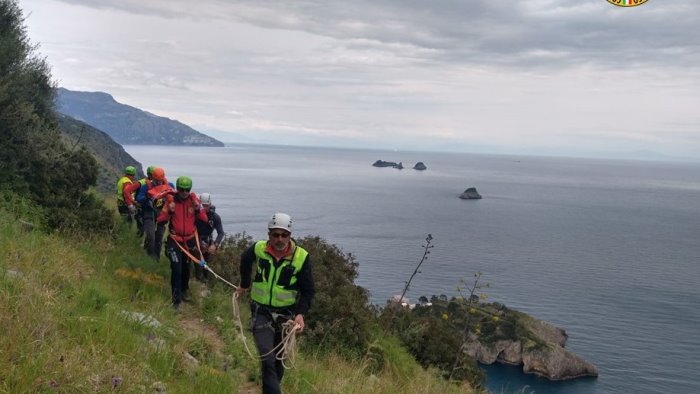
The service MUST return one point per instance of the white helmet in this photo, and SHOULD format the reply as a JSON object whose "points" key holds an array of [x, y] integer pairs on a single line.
{"points": [[205, 198], [280, 220]]}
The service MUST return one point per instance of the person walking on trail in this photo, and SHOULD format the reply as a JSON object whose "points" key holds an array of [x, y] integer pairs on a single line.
{"points": [[282, 290], [181, 210], [128, 179], [151, 197], [138, 199], [206, 234]]}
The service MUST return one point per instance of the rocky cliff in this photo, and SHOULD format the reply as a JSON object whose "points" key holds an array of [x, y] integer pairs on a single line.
{"points": [[537, 346]]}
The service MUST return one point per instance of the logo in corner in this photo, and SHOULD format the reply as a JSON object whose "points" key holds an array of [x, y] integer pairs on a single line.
{"points": [[627, 3]]}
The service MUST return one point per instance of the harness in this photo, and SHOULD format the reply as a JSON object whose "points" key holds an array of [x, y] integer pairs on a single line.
{"points": [[285, 351]]}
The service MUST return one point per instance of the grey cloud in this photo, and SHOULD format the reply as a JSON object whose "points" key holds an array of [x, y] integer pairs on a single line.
{"points": [[536, 32], [509, 32], [463, 72]]}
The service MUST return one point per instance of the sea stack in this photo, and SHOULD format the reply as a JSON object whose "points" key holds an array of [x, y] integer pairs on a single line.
{"points": [[470, 194], [420, 166], [382, 163]]}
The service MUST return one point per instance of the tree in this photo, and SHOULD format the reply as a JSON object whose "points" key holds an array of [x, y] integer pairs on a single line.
{"points": [[34, 161], [25, 95]]}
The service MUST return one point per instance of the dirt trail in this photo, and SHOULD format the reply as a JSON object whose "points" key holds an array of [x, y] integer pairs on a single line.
{"points": [[196, 326], [199, 327]]}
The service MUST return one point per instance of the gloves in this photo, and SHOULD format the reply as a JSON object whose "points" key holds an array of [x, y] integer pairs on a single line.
{"points": [[132, 209]]}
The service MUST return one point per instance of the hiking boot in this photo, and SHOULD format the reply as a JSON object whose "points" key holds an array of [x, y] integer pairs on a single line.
{"points": [[176, 308], [185, 296]]}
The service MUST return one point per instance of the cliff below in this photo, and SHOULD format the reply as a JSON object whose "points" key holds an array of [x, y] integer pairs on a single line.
{"points": [[519, 339], [454, 334]]}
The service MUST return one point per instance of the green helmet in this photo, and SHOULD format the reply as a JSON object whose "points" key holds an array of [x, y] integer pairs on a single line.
{"points": [[149, 170], [130, 170], [184, 182]]}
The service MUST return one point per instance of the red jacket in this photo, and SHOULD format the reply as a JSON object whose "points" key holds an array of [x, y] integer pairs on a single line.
{"points": [[129, 191], [182, 214]]}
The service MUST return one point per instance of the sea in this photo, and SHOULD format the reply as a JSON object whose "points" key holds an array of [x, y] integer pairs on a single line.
{"points": [[608, 250]]}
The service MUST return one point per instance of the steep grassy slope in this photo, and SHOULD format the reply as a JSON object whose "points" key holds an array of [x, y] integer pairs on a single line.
{"points": [[93, 315]]}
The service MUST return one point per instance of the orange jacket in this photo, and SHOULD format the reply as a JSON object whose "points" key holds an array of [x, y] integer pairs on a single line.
{"points": [[153, 191]]}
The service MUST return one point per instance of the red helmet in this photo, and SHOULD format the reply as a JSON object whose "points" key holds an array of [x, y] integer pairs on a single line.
{"points": [[158, 174]]}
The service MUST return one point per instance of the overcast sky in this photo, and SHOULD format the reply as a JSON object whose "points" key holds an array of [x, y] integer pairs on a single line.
{"points": [[527, 77]]}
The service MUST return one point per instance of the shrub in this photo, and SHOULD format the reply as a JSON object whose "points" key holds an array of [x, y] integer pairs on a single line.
{"points": [[340, 317], [22, 208], [227, 260], [434, 335]]}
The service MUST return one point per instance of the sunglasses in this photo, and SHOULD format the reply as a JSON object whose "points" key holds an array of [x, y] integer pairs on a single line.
{"points": [[280, 235], [183, 189]]}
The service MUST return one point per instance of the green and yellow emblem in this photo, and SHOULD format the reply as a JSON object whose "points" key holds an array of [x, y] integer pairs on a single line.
{"points": [[627, 3]]}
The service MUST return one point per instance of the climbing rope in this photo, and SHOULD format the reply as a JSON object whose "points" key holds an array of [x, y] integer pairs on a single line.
{"points": [[285, 351], [288, 348]]}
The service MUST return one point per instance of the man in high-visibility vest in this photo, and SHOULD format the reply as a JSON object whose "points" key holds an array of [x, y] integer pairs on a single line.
{"points": [[281, 290], [128, 178]]}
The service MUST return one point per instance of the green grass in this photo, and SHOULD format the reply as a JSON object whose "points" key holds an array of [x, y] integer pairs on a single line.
{"points": [[64, 305]]}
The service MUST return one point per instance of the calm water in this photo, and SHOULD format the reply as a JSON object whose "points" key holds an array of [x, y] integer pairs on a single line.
{"points": [[607, 250]]}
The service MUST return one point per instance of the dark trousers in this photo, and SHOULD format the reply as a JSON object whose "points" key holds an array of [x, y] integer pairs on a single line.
{"points": [[153, 240], [139, 221], [199, 272], [124, 212], [268, 334], [179, 269]]}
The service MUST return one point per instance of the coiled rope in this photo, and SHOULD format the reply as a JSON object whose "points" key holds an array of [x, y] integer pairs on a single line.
{"points": [[285, 351]]}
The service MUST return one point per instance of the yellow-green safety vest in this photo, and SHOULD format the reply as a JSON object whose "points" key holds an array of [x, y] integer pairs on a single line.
{"points": [[275, 286], [120, 188]]}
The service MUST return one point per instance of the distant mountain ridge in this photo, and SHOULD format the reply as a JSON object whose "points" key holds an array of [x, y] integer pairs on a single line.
{"points": [[127, 125], [111, 157]]}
